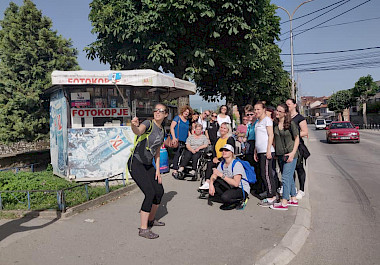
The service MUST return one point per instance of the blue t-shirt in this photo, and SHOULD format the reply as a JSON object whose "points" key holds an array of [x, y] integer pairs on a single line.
{"points": [[251, 131], [183, 129]]}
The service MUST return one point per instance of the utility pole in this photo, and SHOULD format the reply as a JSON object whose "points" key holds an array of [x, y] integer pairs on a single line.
{"points": [[291, 44]]}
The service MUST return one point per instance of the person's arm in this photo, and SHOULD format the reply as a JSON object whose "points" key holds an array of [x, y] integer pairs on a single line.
{"points": [[270, 141], [296, 142], [137, 128], [157, 160], [234, 181], [255, 157], [172, 132], [304, 129]]}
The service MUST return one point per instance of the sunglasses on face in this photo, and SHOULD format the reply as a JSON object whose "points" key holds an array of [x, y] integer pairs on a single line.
{"points": [[214, 116], [225, 150], [280, 111], [159, 110], [250, 114]]}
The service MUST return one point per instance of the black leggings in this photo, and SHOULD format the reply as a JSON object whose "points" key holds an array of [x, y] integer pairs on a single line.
{"points": [[177, 154], [189, 155], [144, 176], [228, 194], [301, 174], [266, 173], [209, 169]]}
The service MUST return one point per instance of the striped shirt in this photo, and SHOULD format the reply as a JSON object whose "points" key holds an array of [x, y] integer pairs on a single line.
{"points": [[195, 141]]}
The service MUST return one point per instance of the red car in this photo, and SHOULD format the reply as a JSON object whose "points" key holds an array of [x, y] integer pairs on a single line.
{"points": [[342, 131]]}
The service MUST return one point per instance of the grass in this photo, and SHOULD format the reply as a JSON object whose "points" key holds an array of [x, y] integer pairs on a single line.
{"points": [[47, 199]]}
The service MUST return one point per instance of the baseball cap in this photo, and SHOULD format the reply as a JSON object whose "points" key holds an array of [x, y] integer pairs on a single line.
{"points": [[227, 147]]}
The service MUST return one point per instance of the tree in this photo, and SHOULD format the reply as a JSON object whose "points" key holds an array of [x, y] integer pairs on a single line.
{"points": [[340, 101], [364, 88], [29, 51], [226, 48]]}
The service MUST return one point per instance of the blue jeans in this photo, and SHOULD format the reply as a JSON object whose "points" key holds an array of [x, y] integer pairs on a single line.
{"points": [[287, 171]]}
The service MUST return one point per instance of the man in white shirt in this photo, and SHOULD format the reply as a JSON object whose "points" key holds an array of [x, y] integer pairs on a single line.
{"points": [[203, 119]]}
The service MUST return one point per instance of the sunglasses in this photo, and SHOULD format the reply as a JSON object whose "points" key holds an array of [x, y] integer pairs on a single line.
{"points": [[159, 110], [250, 114], [280, 111], [215, 116]]}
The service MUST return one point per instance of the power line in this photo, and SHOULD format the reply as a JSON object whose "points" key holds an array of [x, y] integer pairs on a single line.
{"points": [[317, 17], [313, 12], [344, 23], [333, 17], [329, 52]]}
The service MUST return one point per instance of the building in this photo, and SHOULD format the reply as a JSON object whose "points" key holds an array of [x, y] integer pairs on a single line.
{"points": [[316, 107]]}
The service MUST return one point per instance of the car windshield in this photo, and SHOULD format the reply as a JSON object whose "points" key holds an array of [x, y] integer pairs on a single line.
{"points": [[341, 125], [319, 122]]}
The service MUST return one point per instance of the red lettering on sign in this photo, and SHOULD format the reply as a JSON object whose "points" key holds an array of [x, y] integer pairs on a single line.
{"points": [[107, 112], [75, 112], [88, 81], [116, 142], [93, 112], [125, 112], [76, 80], [113, 111], [94, 80], [81, 112], [70, 80]]}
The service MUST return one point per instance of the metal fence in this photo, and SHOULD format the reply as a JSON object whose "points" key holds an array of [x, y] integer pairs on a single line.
{"points": [[369, 126], [61, 194]]}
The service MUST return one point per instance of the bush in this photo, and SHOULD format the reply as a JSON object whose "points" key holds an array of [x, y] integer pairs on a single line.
{"points": [[44, 180]]}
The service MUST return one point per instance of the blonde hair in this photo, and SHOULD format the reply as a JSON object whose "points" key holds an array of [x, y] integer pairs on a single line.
{"points": [[229, 134]]}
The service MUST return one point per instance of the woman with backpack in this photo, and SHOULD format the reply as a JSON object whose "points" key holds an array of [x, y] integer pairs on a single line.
{"points": [[150, 137], [300, 121], [226, 181], [286, 137]]}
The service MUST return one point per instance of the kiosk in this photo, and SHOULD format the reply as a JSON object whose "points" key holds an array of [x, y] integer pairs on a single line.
{"points": [[90, 117]]}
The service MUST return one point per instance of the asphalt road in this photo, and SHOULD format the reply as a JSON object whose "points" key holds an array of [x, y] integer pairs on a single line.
{"points": [[195, 233], [344, 185]]}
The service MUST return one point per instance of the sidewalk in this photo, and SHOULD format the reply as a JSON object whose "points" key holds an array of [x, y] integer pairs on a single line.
{"points": [[195, 233]]}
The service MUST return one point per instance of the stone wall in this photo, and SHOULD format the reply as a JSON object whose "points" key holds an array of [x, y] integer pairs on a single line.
{"points": [[22, 147], [371, 119]]}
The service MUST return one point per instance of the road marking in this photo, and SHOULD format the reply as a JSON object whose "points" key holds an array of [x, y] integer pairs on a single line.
{"points": [[358, 191]]}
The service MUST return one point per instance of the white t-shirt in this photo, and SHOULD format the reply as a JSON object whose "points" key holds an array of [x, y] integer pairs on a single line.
{"points": [[221, 120], [261, 135]]}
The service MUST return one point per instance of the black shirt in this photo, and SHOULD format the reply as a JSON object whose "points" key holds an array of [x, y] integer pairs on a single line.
{"points": [[297, 120], [212, 130]]}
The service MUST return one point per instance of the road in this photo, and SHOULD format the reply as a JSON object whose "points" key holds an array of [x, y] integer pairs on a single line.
{"points": [[344, 185]]}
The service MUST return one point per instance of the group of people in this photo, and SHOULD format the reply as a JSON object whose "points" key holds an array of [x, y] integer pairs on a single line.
{"points": [[268, 136]]}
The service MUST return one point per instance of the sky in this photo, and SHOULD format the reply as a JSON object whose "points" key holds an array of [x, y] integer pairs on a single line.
{"points": [[70, 19]]}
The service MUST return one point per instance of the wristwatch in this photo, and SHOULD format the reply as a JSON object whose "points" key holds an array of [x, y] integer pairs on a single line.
{"points": [[223, 176]]}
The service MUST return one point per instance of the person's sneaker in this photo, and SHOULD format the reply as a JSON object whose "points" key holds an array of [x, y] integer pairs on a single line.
{"points": [[227, 207], [300, 195], [147, 233], [175, 175], [181, 169], [293, 203], [155, 223], [205, 186], [192, 172], [279, 206], [266, 203]]}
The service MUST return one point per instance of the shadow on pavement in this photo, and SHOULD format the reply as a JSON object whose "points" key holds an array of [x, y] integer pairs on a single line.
{"points": [[15, 226], [163, 209]]}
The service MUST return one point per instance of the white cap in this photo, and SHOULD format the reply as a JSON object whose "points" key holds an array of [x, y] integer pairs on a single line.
{"points": [[228, 147]]}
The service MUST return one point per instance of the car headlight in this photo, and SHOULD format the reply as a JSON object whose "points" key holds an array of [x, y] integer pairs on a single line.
{"points": [[334, 134], [354, 134]]}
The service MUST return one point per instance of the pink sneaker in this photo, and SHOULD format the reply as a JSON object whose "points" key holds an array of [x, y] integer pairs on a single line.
{"points": [[279, 206], [293, 203]]}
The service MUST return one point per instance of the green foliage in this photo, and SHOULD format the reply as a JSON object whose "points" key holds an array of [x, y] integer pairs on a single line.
{"points": [[44, 180], [364, 88], [341, 100], [226, 48], [29, 51]]}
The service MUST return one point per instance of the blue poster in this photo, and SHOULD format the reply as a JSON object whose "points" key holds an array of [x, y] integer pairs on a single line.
{"points": [[58, 133], [99, 152]]}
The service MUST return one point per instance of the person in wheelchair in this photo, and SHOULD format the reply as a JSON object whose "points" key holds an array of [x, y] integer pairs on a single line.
{"points": [[225, 183], [225, 138], [195, 143]]}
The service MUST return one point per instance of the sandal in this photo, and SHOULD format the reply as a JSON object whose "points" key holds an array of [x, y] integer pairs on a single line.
{"points": [[147, 233], [155, 223]]}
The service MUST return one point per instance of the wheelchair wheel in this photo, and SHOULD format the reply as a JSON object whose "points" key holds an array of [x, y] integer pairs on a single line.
{"points": [[181, 175]]}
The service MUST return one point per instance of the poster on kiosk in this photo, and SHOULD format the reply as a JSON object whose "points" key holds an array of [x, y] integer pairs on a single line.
{"points": [[90, 117]]}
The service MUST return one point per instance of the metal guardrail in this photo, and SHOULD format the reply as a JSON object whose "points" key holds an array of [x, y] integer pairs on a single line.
{"points": [[371, 126], [17, 169], [61, 199]]}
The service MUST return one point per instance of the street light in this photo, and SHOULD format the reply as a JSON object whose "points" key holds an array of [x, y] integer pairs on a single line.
{"points": [[291, 43]]}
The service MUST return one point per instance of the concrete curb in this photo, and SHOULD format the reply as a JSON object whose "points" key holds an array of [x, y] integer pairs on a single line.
{"points": [[295, 238], [98, 201]]}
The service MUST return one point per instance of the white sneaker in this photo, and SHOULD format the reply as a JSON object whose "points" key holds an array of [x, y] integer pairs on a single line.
{"points": [[192, 172], [205, 186], [300, 194]]}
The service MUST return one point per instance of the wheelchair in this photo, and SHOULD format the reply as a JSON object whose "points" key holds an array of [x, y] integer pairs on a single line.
{"points": [[206, 155]]}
